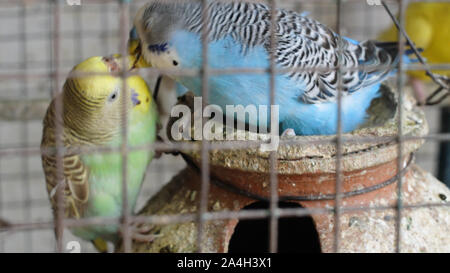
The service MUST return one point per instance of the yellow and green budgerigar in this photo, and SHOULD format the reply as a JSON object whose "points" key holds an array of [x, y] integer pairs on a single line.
{"points": [[92, 107], [428, 26]]}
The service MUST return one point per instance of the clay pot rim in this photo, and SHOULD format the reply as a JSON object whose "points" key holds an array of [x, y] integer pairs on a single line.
{"points": [[321, 158]]}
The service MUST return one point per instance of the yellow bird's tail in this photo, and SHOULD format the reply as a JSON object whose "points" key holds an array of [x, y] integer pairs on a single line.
{"points": [[101, 245]]}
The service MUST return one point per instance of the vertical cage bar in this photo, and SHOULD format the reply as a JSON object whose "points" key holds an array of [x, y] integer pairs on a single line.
{"points": [[2, 206], [124, 17], [105, 24], [444, 149], [401, 49], [338, 199], [204, 190], [78, 33], [28, 242], [273, 223], [2, 236], [60, 207]]}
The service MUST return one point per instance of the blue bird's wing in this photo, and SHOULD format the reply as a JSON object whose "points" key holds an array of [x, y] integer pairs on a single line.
{"points": [[311, 49], [310, 45]]}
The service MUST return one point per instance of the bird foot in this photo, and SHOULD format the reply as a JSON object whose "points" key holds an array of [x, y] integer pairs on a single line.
{"points": [[418, 88], [288, 132], [142, 233]]}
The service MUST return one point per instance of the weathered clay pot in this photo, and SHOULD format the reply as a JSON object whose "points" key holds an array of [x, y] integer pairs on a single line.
{"points": [[368, 179]]}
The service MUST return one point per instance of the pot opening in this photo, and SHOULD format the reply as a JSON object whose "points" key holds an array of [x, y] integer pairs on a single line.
{"points": [[295, 234]]}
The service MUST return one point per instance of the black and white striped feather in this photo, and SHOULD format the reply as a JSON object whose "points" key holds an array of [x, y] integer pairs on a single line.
{"points": [[311, 50]]}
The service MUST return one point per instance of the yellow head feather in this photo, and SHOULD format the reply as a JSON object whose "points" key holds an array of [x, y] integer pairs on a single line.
{"points": [[93, 79]]}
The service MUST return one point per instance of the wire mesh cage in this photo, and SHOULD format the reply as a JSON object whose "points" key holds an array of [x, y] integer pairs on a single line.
{"points": [[42, 40]]}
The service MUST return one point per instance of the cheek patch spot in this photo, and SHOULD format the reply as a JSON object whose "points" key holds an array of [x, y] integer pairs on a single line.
{"points": [[158, 48]]}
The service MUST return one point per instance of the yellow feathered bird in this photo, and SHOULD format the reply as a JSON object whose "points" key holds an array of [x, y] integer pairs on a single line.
{"points": [[428, 26], [92, 117]]}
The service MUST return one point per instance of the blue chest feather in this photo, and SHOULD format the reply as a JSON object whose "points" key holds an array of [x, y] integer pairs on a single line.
{"points": [[253, 89]]}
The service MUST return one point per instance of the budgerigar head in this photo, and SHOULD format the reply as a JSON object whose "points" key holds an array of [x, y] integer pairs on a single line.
{"points": [[155, 24], [94, 100]]}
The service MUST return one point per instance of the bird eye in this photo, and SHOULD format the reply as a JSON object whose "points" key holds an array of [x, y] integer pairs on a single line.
{"points": [[175, 63], [113, 96]]}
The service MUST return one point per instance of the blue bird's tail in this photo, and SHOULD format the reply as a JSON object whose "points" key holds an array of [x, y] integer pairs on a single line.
{"points": [[392, 48], [385, 57]]}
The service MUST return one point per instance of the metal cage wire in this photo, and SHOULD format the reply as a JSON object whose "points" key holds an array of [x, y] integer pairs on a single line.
{"points": [[24, 71]]}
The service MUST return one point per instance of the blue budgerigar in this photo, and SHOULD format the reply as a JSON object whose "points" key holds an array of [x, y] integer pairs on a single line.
{"points": [[239, 37]]}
